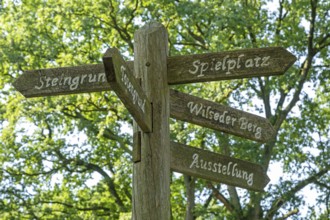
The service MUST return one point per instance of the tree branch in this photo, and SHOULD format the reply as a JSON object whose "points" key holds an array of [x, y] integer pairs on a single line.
{"points": [[291, 213], [281, 112], [197, 43], [191, 44], [280, 18], [123, 32], [94, 208], [279, 202], [229, 90], [207, 201], [107, 133], [196, 37], [30, 174], [234, 198], [322, 185], [221, 198], [190, 183], [93, 167], [265, 96], [323, 42]]}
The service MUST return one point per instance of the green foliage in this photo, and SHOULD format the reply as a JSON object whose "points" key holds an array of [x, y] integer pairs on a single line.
{"points": [[69, 157]]}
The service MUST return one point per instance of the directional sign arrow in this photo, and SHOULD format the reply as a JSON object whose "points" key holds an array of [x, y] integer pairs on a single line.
{"points": [[62, 81], [219, 117], [229, 65], [216, 167], [123, 82]]}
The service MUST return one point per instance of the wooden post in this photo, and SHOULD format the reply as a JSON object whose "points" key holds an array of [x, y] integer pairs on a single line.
{"points": [[151, 175]]}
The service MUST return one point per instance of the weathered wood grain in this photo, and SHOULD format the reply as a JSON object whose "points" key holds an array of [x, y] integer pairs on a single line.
{"points": [[127, 88], [216, 167], [229, 65], [219, 117], [62, 81], [151, 176]]}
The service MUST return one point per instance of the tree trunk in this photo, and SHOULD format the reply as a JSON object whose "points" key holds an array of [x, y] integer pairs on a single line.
{"points": [[190, 191]]}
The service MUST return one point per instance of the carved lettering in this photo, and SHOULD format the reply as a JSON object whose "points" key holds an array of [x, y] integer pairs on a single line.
{"points": [[225, 118], [73, 83], [229, 169], [130, 88], [227, 64]]}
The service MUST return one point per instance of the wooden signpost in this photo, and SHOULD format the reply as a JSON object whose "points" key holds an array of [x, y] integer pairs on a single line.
{"points": [[229, 65], [152, 175], [62, 81], [123, 82], [216, 167], [220, 117], [151, 103]]}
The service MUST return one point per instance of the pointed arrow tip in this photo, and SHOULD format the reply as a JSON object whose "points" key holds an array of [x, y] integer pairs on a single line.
{"points": [[18, 85], [291, 58], [287, 59]]}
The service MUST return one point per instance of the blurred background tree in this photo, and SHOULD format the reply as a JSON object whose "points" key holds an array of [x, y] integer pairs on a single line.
{"points": [[70, 156]]}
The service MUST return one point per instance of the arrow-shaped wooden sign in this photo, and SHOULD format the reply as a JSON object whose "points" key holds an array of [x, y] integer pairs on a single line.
{"points": [[216, 167], [219, 117], [229, 65], [62, 81], [181, 69], [125, 85]]}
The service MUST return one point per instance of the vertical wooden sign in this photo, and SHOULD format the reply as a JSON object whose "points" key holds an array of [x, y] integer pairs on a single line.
{"points": [[151, 175], [122, 81]]}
